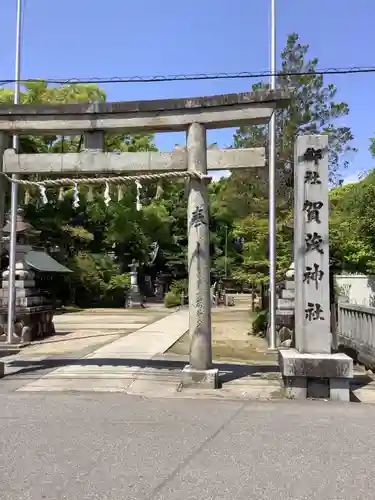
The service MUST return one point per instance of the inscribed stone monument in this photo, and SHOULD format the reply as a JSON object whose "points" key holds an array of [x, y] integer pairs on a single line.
{"points": [[310, 369], [311, 246]]}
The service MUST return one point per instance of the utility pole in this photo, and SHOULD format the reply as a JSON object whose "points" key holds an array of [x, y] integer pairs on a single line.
{"points": [[226, 252], [14, 192], [272, 192]]}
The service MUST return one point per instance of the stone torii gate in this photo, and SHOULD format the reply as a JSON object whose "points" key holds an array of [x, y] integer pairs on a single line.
{"points": [[193, 115]]}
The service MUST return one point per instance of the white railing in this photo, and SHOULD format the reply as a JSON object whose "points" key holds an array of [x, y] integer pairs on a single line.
{"points": [[356, 330]]}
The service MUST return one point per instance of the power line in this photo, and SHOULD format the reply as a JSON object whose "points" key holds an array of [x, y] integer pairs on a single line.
{"points": [[197, 76]]}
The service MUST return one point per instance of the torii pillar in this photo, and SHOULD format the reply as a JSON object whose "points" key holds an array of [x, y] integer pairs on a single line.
{"points": [[200, 368]]}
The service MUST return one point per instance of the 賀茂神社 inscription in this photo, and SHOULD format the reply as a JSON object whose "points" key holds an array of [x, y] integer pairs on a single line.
{"points": [[313, 257], [312, 358]]}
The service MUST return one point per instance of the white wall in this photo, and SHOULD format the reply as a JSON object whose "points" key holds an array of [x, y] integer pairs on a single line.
{"points": [[357, 288]]}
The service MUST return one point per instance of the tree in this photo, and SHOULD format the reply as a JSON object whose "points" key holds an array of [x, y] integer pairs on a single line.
{"points": [[372, 146], [86, 237], [244, 195], [39, 92], [312, 109], [352, 226]]}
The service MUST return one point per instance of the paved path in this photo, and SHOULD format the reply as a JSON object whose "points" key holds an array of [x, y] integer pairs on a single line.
{"points": [[89, 329], [77, 335], [134, 364], [116, 447], [117, 365], [99, 356]]}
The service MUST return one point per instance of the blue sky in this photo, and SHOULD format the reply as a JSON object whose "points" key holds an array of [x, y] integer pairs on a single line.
{"points": [[87, 38]]}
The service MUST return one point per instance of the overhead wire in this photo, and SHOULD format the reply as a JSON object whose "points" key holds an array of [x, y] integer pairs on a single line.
{"points": [[196, 76]]}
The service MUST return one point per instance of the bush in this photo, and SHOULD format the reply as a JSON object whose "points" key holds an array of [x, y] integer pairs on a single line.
{"points": [[97, 282], [179, 286], [117, 289], [172, 299], [260, 324], [119, 282]]}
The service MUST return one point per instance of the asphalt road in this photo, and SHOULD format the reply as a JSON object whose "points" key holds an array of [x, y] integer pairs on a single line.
{"points": [[118, 447]]}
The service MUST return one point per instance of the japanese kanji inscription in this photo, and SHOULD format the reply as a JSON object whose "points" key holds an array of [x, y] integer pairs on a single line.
{"points": [[311, 251], [197, 217]]}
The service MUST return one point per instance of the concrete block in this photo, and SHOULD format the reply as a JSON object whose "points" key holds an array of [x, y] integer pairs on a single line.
{"points": [[295, 364], [285, 312], [285, 304], [290, 285], [339, 389], [20, 292], [205, 379], [288, 294], [295, 387]]}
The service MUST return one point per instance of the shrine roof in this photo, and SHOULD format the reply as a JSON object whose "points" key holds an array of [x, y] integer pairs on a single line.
{"points": [[42, 262]]}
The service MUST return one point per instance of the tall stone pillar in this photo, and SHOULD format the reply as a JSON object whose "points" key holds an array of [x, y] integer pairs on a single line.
{"points": [[311, 246], [3, 139], [310, 369], [3, 145], [200, 368]]}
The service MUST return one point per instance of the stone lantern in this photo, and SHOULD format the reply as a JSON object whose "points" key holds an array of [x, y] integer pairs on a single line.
{"points": [[286, 310], [135, 299], [25, 235], [33, 314]]}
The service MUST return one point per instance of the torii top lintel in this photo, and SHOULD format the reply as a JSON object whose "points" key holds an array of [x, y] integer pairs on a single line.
{"points": [[165, 115]]}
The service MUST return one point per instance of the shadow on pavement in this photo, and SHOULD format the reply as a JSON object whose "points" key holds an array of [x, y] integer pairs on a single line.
{"points": [[55, 338], [228, 371], [8, 352]]}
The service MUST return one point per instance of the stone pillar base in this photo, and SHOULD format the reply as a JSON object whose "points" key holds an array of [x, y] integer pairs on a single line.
{"points": [[135, 301], [316, 375], [136, 305], [205, 379]]}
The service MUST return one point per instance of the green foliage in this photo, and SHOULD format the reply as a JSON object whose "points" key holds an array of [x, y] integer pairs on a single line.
{"points": [[312, 110], [97, 280], [93, 277], [119, 282], [87, 236], [179, 286], [172, 299], [241, 202], [352, 226], [372, 147], [117, 288], [177, 289]]}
